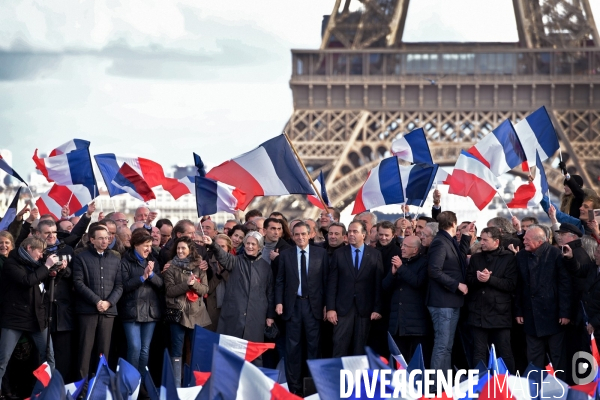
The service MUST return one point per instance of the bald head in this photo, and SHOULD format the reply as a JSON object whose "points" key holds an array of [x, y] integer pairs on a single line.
{"points": [[410, 246]]}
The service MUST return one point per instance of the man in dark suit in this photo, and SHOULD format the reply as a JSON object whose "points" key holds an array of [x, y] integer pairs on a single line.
{"points": [[300, 297], [354, 292], [543, 298], [447, 288]]}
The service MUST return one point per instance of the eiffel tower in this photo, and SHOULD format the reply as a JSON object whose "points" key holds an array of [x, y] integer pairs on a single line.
{"points": [[365, 85]]}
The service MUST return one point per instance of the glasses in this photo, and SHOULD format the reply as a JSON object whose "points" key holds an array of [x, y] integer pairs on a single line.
{"points": [[125, 221]]}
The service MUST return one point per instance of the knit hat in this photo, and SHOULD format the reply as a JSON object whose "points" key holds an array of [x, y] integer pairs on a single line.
{"points": [[578, 179]]}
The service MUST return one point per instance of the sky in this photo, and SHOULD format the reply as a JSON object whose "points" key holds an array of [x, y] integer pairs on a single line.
{"points": [[160, 79]]}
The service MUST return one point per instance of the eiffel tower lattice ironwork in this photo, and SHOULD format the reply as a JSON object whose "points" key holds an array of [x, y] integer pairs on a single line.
{"points": [[364, 86]]}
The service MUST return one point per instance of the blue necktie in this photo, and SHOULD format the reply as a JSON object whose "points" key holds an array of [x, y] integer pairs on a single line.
{"points": [[356, 264]]}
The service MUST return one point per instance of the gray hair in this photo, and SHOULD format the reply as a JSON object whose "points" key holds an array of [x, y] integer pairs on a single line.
{"points": [[503, 224], [256, 235], [434, 226], [370, 214], [589, 244], [544, 235]]}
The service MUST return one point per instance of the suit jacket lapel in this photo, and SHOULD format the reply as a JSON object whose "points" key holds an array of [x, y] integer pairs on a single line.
{"points": [[363, 261]]}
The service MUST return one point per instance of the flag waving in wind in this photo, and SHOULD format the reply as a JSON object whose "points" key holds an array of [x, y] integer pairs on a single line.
{"points": [[416, 182], [537, 135], [320, 185], [269, 170], [413, 147], [530, 194], [500, 150], [383, 186], [151, 172], [471, 178], [70, 167]]}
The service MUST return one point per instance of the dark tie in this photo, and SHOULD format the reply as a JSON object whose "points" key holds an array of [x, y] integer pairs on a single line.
{"points": [[303, 274], [356, 265]]}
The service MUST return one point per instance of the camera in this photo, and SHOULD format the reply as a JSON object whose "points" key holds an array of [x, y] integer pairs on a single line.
{"points": [[61, 257]]}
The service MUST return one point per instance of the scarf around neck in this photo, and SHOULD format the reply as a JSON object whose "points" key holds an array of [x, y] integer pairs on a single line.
{"points": [[183, 263], [27, 257]]}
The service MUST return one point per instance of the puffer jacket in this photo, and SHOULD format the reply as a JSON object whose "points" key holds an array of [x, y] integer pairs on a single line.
{"points": [[97, 277], [141, 299], [176, 279]]}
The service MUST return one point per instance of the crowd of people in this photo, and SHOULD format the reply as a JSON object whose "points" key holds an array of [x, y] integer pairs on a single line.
{"points": [[317, 289]]}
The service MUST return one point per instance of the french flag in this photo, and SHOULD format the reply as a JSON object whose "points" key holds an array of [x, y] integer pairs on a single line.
{"points": [[471, 178], [530, 194], [152, 172], [68, 164], [129, 180], [441, 177], [501, 150], [11, 213], [383, 186], [320, 185], [537, 134], [130, 380], [416, 182], [235, 378], [326, 373], [9, 170], [213, 196], [43, 373], [413, 147], [202, 348], [269, 170], [76, 197]]}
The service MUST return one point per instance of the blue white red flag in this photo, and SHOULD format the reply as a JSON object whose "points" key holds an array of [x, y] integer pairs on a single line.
{"points": [[152, 172], [129, 180], [413, 147], [213, 196], [530, 194], [130, 380], [500, 150], [537, 134], [383, 186], [416, 182], [320, 185], [269, 170], [202, 348], [470, 178], [234, 378]]}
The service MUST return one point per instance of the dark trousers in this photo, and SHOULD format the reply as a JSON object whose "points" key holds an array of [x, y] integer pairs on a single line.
{"points": [[350, 334], [500, 338], [301, 323], [536, 351], [62, 356], [93, 329]]}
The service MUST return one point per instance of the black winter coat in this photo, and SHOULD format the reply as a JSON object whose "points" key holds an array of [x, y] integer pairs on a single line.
{"points": [[63, 308], [543, 293], [24, 304], [97, 277], [591, 293], [249, 295], [489, 302], [140, 301], [446, 270], [408, 315], [579, 283]]}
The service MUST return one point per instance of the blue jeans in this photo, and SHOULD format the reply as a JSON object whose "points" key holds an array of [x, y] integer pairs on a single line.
{"points": [[9, 339], [178, 333], [444, 326], [139, 336]]}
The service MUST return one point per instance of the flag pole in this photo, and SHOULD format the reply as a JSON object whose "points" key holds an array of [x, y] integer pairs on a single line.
{"points": [[113, 203], [325, 206], [504, 201], [31, 193]]}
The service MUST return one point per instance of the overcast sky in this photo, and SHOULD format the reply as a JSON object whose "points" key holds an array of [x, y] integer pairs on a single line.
{"points": [[160, 79]]}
